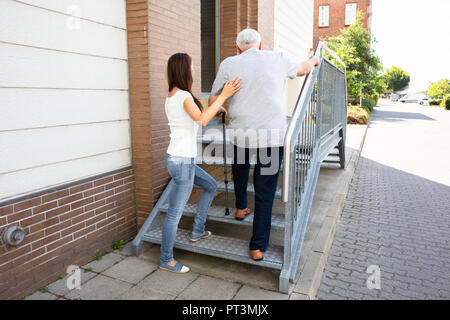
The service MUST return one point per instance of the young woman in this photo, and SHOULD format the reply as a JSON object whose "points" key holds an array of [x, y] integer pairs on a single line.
{"points": [[185, 114]]}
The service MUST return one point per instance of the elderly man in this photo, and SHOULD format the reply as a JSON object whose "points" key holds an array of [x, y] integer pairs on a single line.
{"points": [[258, 124]]}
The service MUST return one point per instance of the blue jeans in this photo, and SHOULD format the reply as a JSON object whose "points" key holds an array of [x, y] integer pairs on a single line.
{"points": [[265, 180], [185, 174]]}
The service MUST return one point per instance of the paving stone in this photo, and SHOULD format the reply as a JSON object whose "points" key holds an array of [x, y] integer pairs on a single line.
{"points": [[144, 293], [104, 263], [251, 293], [100, 288], [168, 283], [298, 296], [38, 295], [208, 288], [131, 269], [128, 249], [221, 268]]}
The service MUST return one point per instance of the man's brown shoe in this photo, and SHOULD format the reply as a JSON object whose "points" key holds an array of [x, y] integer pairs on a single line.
{"points": [[241, 214], [256, 255]]}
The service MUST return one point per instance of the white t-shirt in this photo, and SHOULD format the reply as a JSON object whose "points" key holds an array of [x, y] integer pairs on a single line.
{"points": [[257, 111], [183, 130]]}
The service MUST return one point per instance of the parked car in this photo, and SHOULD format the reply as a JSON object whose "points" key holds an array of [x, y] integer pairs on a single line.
{"points": [[394, 97], [425, 101], [409, 99]]}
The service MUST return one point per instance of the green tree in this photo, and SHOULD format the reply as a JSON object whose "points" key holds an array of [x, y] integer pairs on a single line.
{"points": [[396, 78], [364, 67], [439, 89]]}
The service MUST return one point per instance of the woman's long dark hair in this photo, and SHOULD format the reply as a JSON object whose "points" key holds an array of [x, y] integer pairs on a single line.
{"points": [[179, 74]]}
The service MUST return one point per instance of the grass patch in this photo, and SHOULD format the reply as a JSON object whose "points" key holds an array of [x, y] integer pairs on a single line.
{"points": [[43, 289], [98, 257], [118, 245], [87, 270], [357, 115]]}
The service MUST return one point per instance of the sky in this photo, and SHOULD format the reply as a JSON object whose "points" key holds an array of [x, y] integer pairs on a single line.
{"points": [[415, 36]]}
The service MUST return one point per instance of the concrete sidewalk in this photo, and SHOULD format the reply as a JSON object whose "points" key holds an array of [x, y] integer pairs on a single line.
{"points": [[118, 275]]}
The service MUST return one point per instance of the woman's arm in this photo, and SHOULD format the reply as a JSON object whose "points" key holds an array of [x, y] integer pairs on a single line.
{"points": [[206, 116]]}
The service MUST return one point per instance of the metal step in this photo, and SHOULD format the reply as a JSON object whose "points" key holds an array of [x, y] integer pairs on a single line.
{"points": [[222, 247], [217, 213], [250, 188]]}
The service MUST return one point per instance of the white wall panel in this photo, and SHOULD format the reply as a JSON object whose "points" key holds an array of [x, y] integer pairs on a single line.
{"points": [[26, 181], [37, 108], [48, 29], [37, 147], [111, 12], [37, 68], [294, 31], [64, 102]]}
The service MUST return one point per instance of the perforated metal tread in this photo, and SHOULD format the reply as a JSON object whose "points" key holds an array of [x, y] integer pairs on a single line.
{"points": [[217, 213], [250, 188], [222, 247]]}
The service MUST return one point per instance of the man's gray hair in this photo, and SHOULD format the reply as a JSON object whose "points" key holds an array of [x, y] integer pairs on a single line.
{"points": [[248, 38]]}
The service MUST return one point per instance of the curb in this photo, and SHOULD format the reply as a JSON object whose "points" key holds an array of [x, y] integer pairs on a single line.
{"points": [[311, 275]]}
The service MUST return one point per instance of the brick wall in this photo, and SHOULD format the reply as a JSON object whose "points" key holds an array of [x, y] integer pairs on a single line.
{"points": [[337, 17], [65, 226], [235, 15]]}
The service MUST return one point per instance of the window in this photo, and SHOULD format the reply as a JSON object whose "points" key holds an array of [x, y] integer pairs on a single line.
{"points": [[324, 16], [210, 42], [350, 13]]}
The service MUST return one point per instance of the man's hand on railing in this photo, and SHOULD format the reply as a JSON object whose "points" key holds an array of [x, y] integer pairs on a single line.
{"points": [[305, 67], [315, 60]]}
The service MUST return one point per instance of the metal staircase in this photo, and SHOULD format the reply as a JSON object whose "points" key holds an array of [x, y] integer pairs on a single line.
{"points": [[316, 135]]}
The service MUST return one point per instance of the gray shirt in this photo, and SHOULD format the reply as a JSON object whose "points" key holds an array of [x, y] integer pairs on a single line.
{"points": [[258, 111]]}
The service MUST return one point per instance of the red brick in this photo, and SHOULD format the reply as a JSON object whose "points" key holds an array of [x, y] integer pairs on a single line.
{"points": [[27, 204], [81, 203], [104, 195], [57, 212], [55, 195], [103, 181], [6, 210], [19, 216], [91, 192], [58, 227], [71, 214], [80, 188], [72, 229], [70, 199], [58, 243], [45, 207], [32, 220]]}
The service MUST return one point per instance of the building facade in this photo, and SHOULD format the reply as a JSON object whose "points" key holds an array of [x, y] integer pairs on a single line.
{"points": [[83, 132], [331, 16]]}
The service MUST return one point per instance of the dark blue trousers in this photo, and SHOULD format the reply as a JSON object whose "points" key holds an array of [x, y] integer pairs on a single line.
{"points": [[265, 180]]}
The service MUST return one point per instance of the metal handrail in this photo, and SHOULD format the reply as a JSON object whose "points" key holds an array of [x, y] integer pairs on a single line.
{"points": [[300, 110], [317, 127]]}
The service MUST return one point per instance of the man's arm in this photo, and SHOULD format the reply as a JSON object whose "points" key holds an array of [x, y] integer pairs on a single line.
{"points": [[305, 67]]}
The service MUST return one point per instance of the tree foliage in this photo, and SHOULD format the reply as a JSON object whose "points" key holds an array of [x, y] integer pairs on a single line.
{"points": [[364, 67], [439, 89], [396, 78]]}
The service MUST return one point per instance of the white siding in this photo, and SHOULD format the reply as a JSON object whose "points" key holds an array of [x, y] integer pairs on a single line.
{"points": [[64, 104], [293, 30]]}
